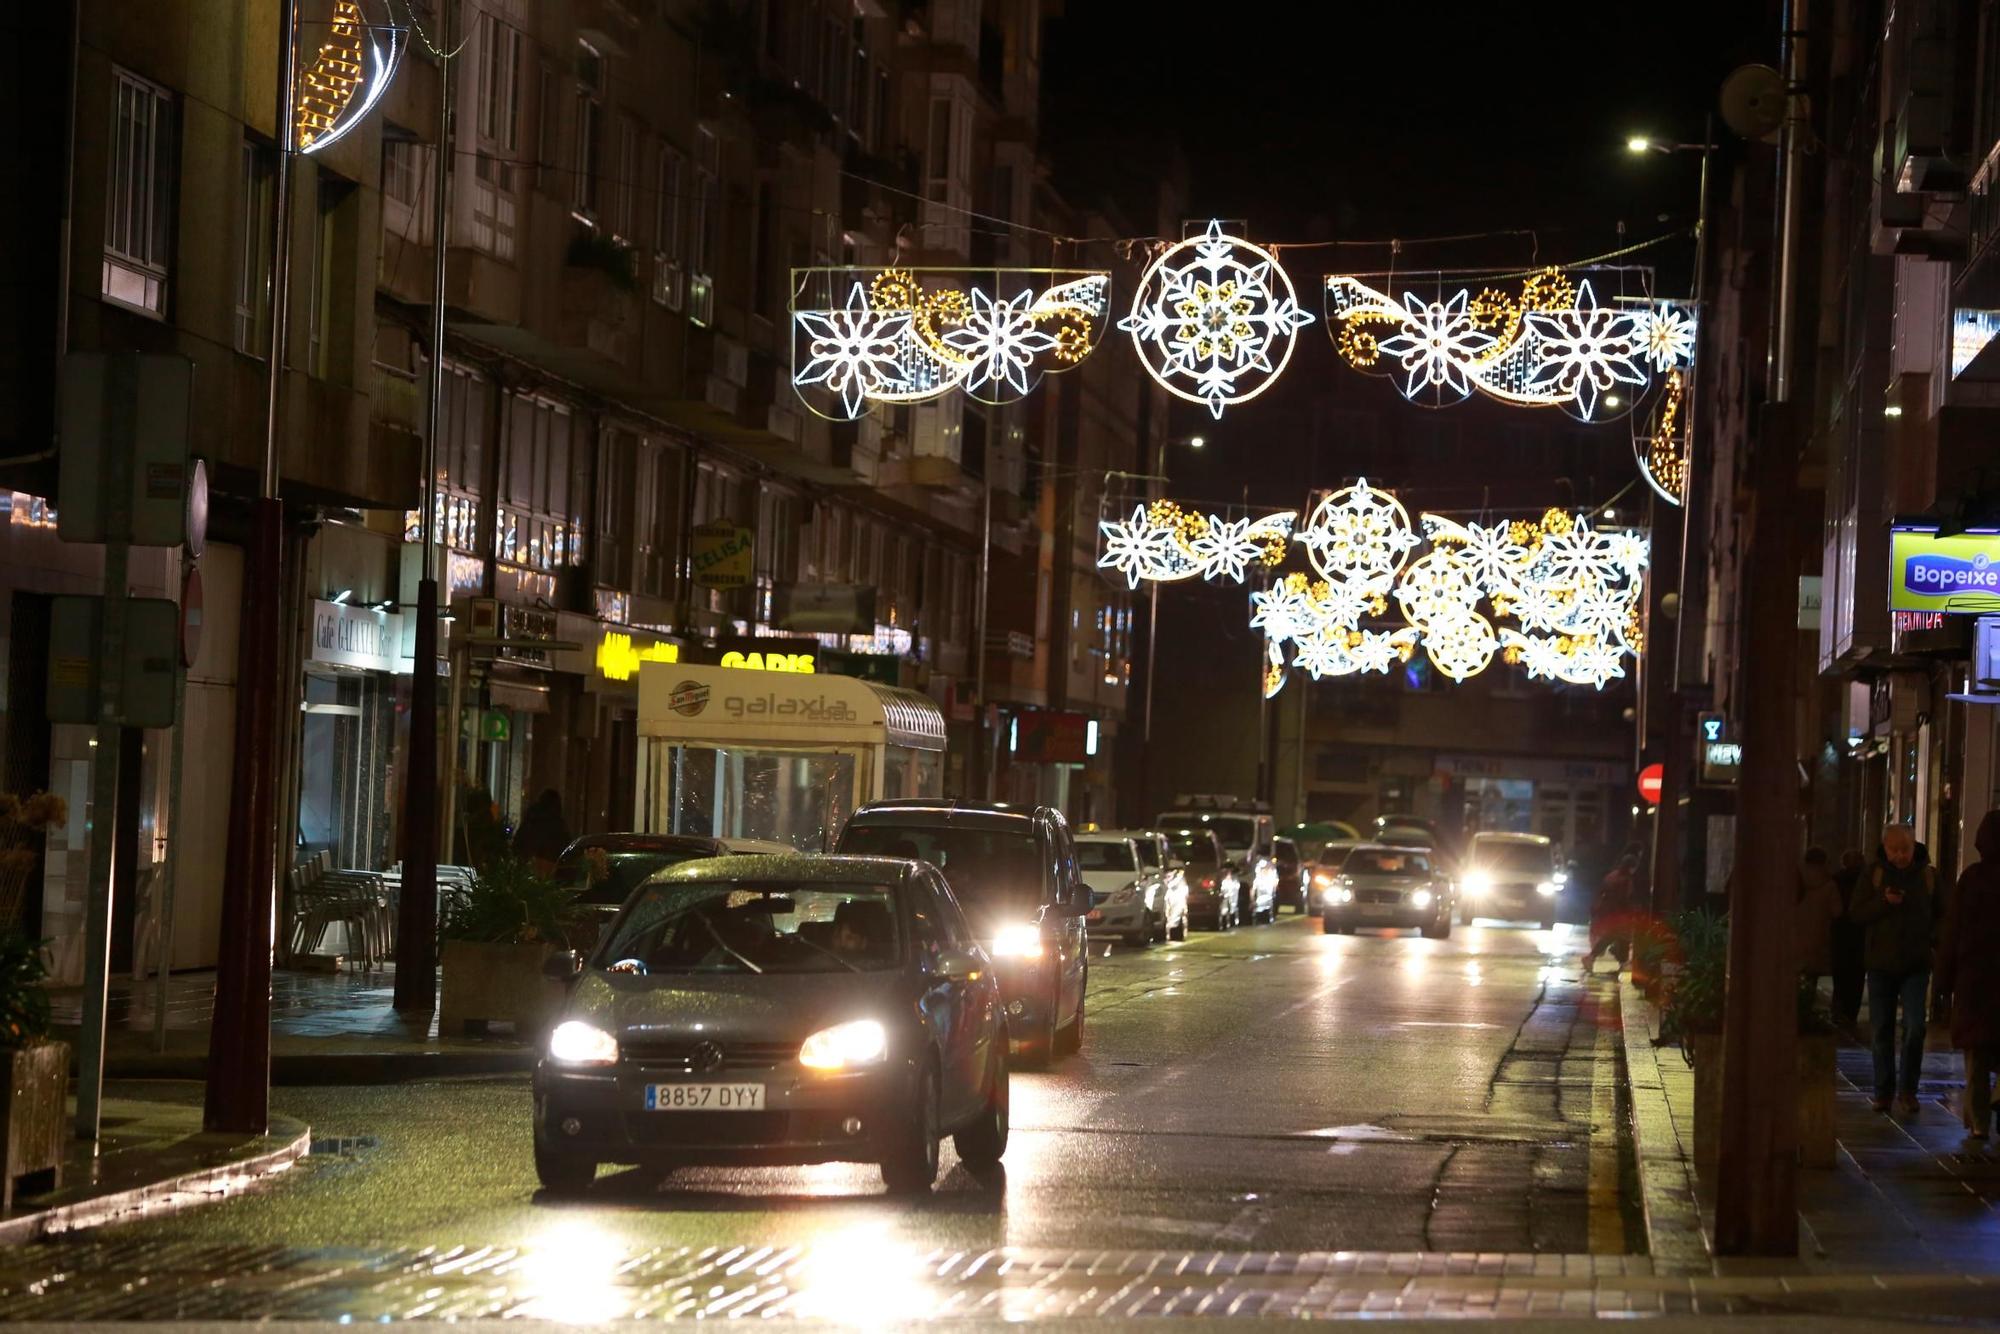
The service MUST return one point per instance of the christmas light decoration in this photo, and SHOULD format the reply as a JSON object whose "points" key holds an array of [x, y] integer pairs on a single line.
{"points": [[1662, 449], [1554, 596], [1551, 344], [1214, 319], [909, 336], [351, 70]]}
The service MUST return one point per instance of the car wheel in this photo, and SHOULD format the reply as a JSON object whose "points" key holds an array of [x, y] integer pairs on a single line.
{"points": [[1069, 1040], [1327, 927], [1143, 936], [911, 1166], [983, 1142], [1440, 927], [563, 1173], [1465, 916]]}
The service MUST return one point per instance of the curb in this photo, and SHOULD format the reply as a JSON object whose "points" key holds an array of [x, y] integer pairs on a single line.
{"points": [[287, 1142], [1674, 1235], [359, 1068]]}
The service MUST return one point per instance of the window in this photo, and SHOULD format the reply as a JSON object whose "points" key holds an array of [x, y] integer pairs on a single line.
{"points": [[657, 523], [625, 218], [537, 525], [499, 72], [705, 236], [546, 169], [761, 301], [253, 258], [139, 201], [587, 132], [327, 292], [668, 274]]}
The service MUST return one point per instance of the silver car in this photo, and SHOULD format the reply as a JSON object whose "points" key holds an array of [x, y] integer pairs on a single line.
{"points": [[1137, 892], [774, 1010], [1385, 886]]}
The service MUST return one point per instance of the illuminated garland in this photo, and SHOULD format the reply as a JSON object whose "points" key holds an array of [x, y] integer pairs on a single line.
{"points": [[1214, 319], [1560, 598], [351, 70], [894, 340], [1551, 344], [1662, 448]]}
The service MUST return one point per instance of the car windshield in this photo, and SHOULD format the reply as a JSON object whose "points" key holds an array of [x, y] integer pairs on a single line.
{"points": [[734, 926], [606, 877], [988, 869], [1149, 852], [1235, 831], [1194, 849], [1334, 855], [1527, 858], [1105, 856], [1373, 861]]}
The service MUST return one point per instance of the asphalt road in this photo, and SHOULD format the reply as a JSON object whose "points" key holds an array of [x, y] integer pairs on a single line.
{"points": [[1272, 1089]]}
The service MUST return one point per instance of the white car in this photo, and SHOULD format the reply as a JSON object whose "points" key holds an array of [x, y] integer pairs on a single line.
{"points": [[1135, 893]]}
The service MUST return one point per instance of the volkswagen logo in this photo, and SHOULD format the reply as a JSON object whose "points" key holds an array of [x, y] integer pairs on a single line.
{"points": [[706, 1058]]}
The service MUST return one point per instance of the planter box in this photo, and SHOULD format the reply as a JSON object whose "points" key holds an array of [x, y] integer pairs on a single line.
{"points": [[1817, 1144], [497, 984], [34, 1118]]}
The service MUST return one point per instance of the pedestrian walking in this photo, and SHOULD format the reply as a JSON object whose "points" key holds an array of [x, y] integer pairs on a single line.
{"points": [[1898, 905], [542, 835], [1850, 943], [1816, 910], [1611, 911], [1968, 974]]}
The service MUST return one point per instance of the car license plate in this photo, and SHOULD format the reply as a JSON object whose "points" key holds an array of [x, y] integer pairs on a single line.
{"points": [[704, 1097], [1377, 909]]}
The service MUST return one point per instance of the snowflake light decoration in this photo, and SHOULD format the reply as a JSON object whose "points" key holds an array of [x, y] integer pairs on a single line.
{"points": [[910, 336], [1214, 319], [1165, 543], [1548, 344], [1137, 548], [1358, 533]]}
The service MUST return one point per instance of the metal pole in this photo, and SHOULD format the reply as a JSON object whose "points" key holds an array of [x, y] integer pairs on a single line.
{"points": [[104, 803], [169, 877], [983, 747], [416, 911], [238, 1092], [1153, 596], [1756, 1210], [454, 719]]}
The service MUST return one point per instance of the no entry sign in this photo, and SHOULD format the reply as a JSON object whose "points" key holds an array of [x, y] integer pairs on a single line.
{"points": [[1650, 779]]}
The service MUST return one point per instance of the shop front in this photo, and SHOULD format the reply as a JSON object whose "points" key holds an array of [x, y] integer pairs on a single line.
{"points": [[347, 736], [734, 752]]}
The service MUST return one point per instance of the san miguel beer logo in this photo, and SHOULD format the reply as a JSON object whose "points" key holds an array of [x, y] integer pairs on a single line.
{"points": [[689, 699]]}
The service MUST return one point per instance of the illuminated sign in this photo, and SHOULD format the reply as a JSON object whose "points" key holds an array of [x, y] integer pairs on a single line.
{"points": [[618, 658], [1958, 574], [1971, 331], [723, 554], [758, 661]]}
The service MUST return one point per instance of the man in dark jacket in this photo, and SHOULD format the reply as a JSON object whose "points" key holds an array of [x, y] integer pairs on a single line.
{"points": [[1898, 904], [1968, 973]]}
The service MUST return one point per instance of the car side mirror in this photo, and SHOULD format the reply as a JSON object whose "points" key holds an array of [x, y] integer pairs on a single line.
{"points": [[563, 965], [960, 965]]}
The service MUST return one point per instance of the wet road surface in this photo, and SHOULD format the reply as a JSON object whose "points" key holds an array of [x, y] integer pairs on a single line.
{"points": [[1272, 1089]]}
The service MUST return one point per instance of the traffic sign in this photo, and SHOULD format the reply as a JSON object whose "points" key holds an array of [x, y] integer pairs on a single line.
{"points": [[1651, 779]]}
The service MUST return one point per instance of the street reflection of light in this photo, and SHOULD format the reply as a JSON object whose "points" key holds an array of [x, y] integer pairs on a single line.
{"points": [[860, 1273], [1473, 976], [571, 1274], [1415, 963]]}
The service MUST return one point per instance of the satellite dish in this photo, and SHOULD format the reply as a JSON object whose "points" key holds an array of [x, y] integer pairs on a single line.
{"points": [[1753, 101]]}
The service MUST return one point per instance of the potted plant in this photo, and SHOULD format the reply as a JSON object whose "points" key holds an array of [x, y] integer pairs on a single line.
{"points": [[24, 823], [1692, 1016], [497, 938], [34, 1099]]}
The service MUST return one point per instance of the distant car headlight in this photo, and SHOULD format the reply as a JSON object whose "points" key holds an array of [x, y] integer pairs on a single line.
{"points": [[1340, 894], [1322, 878], [1022, 940], [1548, 888], [577, 1043], [1478, 882], [844, 1046]]}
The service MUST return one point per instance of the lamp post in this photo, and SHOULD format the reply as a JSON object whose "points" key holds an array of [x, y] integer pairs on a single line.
{"points": [[1153, 608]]}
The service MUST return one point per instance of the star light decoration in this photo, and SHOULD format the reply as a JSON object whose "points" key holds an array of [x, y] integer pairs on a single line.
{"points": [[1555, 596], [1550, 344], [897, 339], [1214, 319]]}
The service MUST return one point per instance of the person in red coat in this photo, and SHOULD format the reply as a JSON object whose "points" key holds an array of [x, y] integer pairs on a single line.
{"points": [[1968, 974]]}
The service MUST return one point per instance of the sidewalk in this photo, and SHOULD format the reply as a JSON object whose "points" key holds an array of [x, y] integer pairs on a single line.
{"points": [[326, 1028], [151, 1155], [1902, 1197]]}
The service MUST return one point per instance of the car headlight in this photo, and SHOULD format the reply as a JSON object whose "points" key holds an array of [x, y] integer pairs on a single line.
{"points": [[1478, 882], [1547, 888], [1322, 878], [1022, 940], [1421, 899], [577, 1043], [1340, 894], [1562, 877], [844, 1046]]}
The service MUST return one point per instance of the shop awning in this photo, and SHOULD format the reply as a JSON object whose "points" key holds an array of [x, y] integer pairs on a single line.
{"points": [[734, 705]]}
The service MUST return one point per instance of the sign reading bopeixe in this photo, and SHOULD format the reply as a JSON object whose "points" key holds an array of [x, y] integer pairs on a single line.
{"points": [[1958, 574]]}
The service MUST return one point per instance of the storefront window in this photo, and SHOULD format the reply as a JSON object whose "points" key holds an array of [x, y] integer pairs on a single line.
{"points": [[796, 797]]}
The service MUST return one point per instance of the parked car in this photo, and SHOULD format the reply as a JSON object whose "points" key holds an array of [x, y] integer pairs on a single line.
{"points": [[777, 1009], [1214, 895], [1512, 876], [1013, 870], [1291, 888], [1156, 853], [1246, 835], [1326, 869], [1130, 897], [1383, 885], [602, 870]]}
